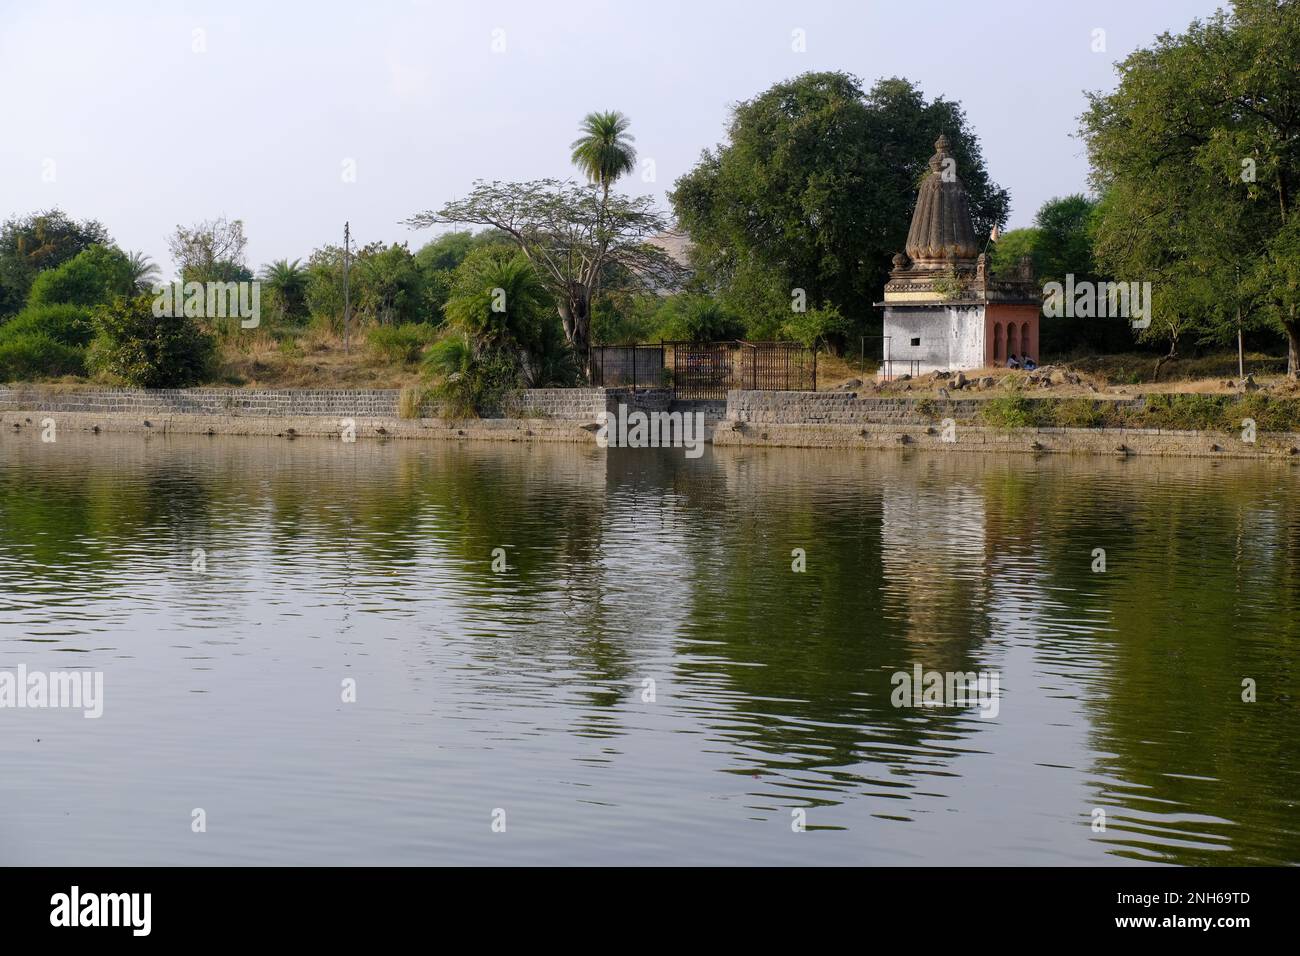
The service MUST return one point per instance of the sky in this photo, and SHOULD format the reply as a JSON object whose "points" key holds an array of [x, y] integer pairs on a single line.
{"points": [[296, 116]]}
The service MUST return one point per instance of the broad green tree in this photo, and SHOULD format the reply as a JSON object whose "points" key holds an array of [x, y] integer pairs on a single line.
{"points": [[1198, 154], [813, 190], [92, 277], [34, 243]]}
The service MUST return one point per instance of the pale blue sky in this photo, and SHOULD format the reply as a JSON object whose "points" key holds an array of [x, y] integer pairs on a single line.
{"points": [[144, 133]]}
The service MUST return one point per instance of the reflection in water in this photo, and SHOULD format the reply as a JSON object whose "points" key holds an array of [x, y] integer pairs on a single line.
{"points": [[647, 680]]}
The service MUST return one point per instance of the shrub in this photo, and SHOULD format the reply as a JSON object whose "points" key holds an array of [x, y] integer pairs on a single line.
{"points": [[400, 343], [92, 277], [410, 401], [469, 385], [697, 318], [1187, 412], [1077, 413], [815, 326], [1009, 411], [37, 355], [150, 351], [1270, 414], [68, 324]]}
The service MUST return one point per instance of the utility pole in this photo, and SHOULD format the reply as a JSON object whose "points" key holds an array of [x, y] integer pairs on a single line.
{"points": [[347, 300], [1241, 349]]}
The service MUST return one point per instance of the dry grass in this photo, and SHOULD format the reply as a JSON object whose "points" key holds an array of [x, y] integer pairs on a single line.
{"points": [[315, 358]]}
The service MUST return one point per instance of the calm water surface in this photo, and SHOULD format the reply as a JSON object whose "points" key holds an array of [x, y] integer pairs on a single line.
{"points": [[526, 690]]}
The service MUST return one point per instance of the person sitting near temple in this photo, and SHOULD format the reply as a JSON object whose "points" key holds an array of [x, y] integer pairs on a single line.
{"points": [[1027, 363], [1012, 361]]}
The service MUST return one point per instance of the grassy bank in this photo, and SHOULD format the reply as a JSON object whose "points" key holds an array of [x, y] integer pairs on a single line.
{"points": [[1186, 411]]}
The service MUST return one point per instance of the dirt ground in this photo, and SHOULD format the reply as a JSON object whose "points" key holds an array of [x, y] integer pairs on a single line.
{"points": [[1114, 376]]}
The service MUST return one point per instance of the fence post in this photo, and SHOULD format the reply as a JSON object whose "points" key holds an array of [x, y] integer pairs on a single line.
{"points": [[634, 367]]}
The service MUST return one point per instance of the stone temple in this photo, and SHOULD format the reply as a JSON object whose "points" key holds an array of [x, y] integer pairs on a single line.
{"points": [[943, 307]]}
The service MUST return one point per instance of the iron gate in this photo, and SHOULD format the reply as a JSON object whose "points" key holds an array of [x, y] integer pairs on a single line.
{"points": [[705, 371]]}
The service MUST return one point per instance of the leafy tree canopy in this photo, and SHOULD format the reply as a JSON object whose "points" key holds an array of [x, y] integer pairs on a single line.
{"points": [[1197, 156], [92, 277], [814, 190], [573, 235], [36, 242]]}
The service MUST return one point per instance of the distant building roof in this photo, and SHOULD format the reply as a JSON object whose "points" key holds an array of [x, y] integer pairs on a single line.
{"points": [[676, 244]]}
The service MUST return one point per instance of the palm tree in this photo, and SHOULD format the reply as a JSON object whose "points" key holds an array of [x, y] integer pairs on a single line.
{"points": [[499, 304], [143, 271], [605, 151], [288, 281]]}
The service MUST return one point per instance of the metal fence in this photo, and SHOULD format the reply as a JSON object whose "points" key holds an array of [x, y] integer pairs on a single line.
{"points": [[641, 366], [875, 358], [705, 371]]}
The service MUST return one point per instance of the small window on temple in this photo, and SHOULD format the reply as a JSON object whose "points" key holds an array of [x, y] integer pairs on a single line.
{"points": [[916, 342]]}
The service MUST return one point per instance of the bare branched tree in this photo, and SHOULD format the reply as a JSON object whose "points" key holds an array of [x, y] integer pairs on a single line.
{"points": [[578, 238]]}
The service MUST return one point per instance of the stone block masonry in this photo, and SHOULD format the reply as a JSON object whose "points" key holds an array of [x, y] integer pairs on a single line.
{"points": [[848, 408], [225, 402], [762, 419], [565, 404], [842, 408]]}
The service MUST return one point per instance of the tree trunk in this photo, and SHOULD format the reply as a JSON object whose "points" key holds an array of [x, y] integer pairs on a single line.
{"points": [[1292, 326], [1173, 353], [575, 314]]}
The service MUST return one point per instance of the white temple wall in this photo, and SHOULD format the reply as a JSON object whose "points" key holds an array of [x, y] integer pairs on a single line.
{"points": [[938, 337]]}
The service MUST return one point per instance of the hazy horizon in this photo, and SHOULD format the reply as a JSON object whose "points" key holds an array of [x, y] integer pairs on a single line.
{"points": [[139, 129]]}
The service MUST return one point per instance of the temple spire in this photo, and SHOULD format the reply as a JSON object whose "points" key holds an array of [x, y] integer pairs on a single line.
{"points": [[941, 232]]}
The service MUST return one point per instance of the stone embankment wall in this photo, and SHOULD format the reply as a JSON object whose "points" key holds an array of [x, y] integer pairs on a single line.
{"points": [[567, 404], [766, 419], [848, 408], [558, 414], [843, 420], [233, 402]]}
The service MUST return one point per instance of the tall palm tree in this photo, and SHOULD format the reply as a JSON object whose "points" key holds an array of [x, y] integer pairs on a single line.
{"points": [[288, 280], [143, 271], [604, 152]]}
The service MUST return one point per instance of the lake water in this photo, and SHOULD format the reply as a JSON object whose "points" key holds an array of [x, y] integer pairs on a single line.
{"points": [[524, 695]]}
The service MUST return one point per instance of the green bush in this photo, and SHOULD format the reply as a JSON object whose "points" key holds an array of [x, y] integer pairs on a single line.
{"points": [[1010, 411], [68, 324], [1270, 414], [697, 318], [36, 355], [150, 351], [1077, 413], [815, 326], [1185, 412], [90, 278], [400, 343], [469, 385]]}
